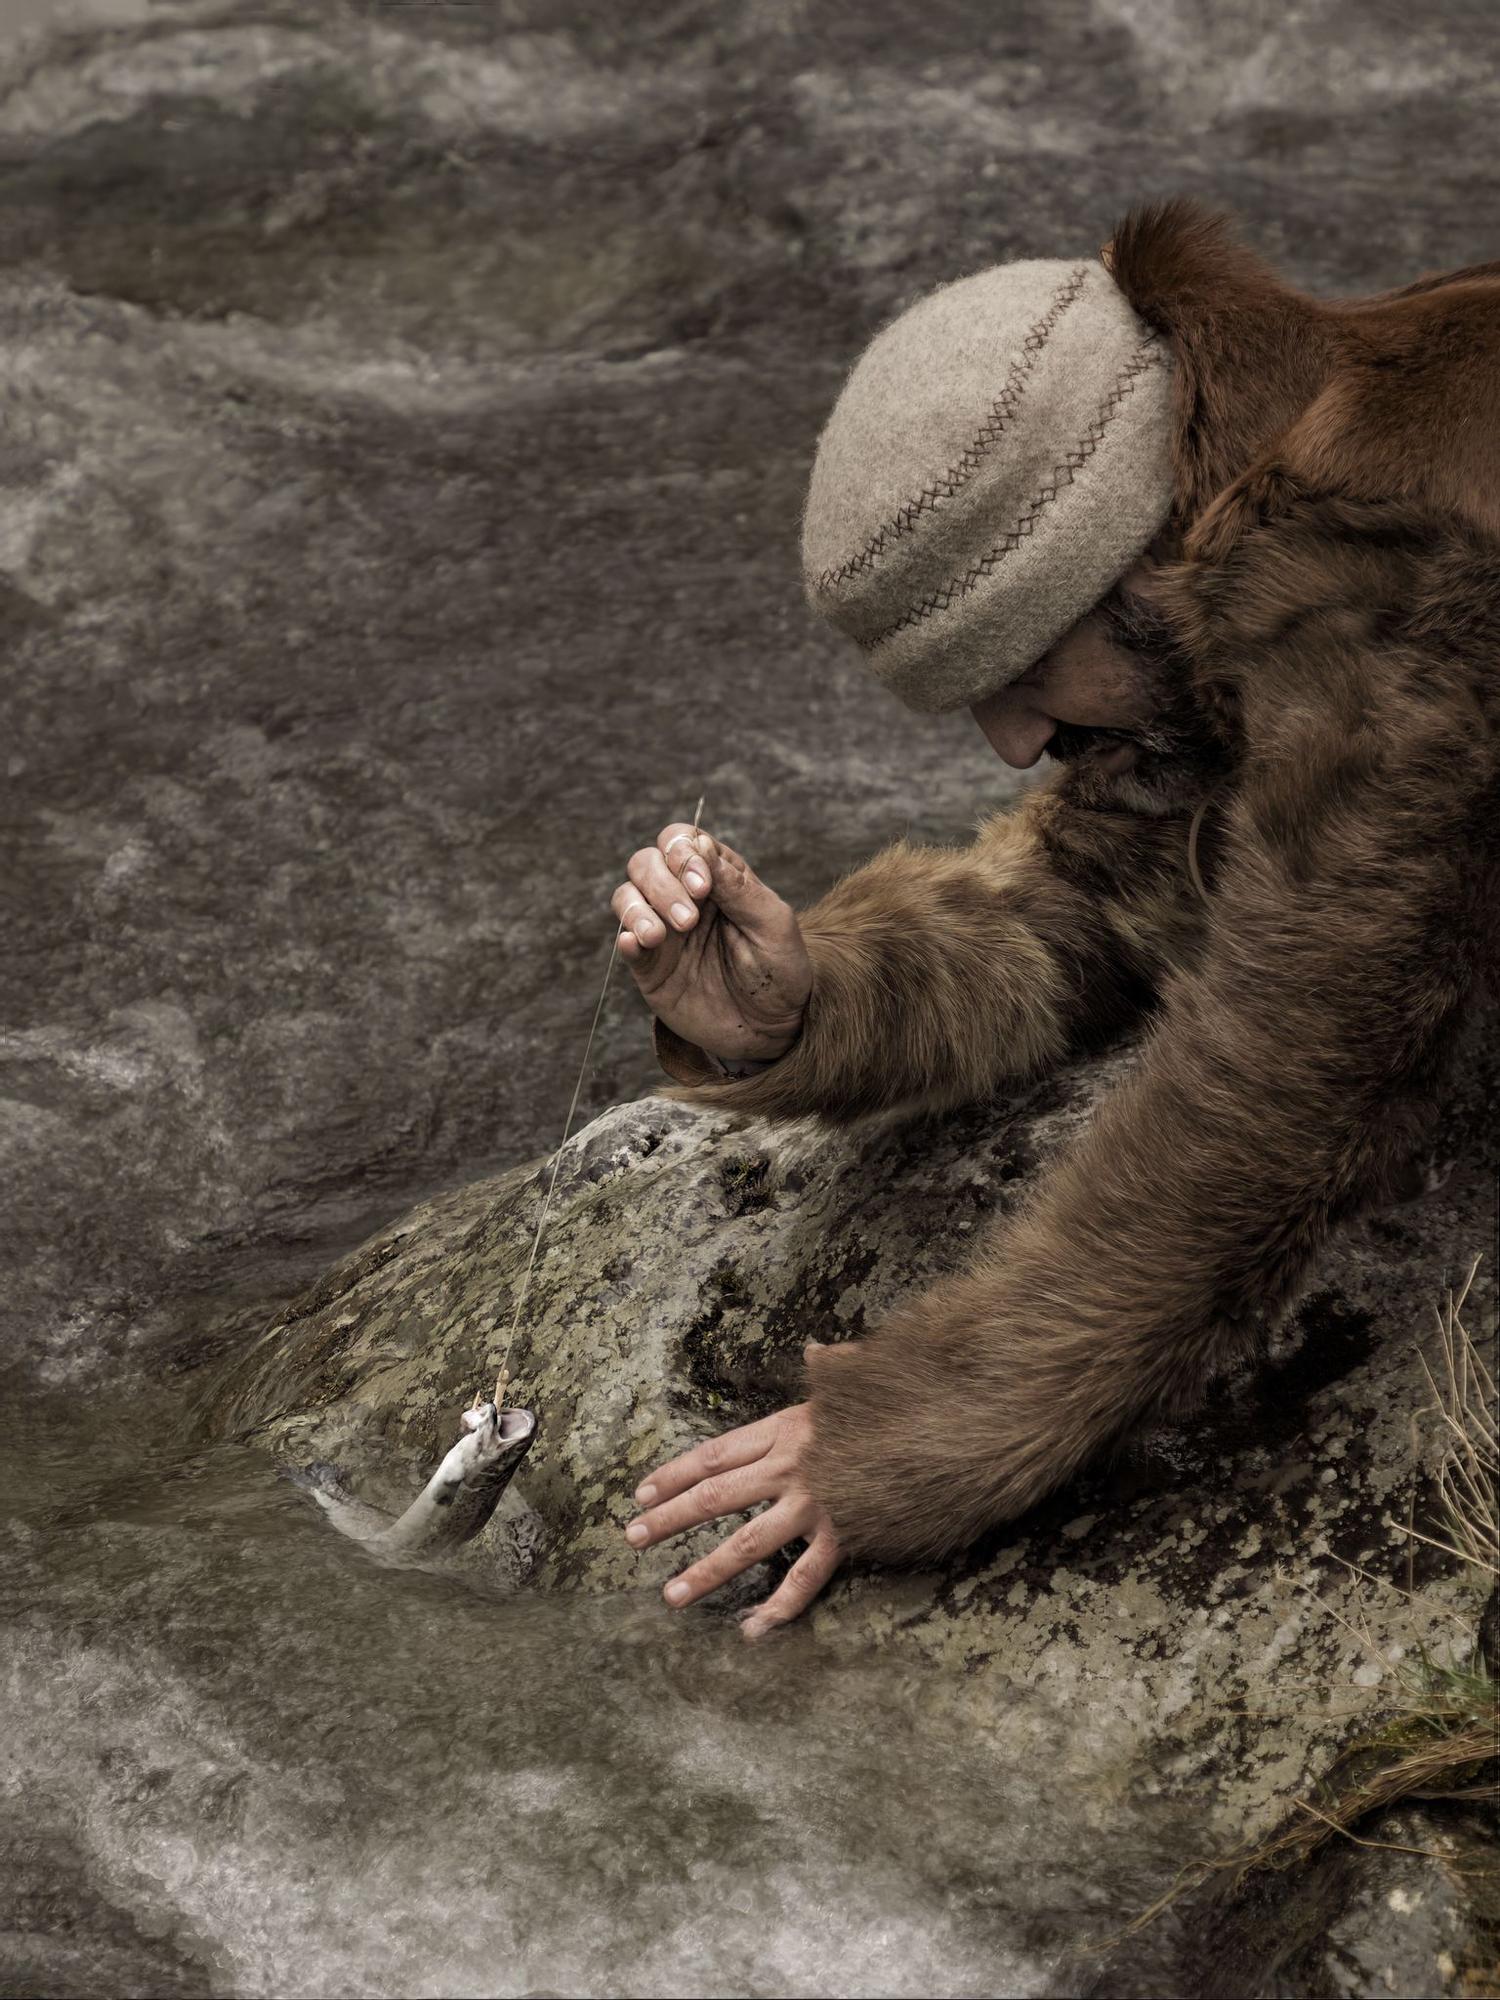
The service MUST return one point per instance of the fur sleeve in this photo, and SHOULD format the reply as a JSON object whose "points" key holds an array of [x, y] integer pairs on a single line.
{"points": [[1289, 1073], [940, 973]]}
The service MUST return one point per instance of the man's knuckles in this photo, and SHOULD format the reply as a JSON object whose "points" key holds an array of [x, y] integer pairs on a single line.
{"points": [[717, 1494], [661, 888], [636, 914], [690, 858], [749, 1542], [675, 844]]}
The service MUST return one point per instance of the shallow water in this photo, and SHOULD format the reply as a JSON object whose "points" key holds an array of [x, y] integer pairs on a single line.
{"points": [[241, 1757]]}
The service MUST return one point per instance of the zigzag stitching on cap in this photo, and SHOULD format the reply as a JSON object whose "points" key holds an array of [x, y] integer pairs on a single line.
{"points": [[1062, 475], [994, 427]]}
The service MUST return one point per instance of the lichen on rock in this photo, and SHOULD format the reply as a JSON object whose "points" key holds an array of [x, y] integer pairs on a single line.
{"points": [[1190, 1603]]}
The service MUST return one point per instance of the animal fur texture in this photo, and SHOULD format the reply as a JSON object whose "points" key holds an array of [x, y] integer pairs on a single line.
{"points": [[1334, 599]]}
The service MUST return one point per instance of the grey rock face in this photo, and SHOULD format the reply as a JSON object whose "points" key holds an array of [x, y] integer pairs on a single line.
{"points": [[1413, 1910], [407, 414], [1208, 1573], [1417, 1915]]}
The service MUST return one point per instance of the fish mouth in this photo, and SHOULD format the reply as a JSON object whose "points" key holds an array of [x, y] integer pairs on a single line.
{"points": [[515, 1426]]}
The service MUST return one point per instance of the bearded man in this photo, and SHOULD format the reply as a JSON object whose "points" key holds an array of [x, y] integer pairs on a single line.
{"points": [[1231, 555]]}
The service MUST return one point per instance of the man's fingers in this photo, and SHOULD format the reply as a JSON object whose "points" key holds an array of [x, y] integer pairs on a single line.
{"points": [[728, 877], [690, 858], [661, 888], [741, 895], [721, 1493], [716, 1454], [636, 915], [801, 1584], [750, 1544]]}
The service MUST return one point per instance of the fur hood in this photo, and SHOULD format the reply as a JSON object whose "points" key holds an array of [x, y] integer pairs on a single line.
{"points": [[1394, 396]]}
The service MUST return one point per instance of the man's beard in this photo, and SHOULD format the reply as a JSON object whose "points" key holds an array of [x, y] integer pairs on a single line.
{"points": [[1177, 751]]}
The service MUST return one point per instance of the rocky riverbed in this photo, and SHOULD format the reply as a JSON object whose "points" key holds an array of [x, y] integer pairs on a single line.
{"points": [[407, 410], [1181, 1642]]}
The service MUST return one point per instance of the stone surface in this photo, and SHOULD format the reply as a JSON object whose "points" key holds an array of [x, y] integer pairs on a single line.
{"points": [[1410, 1907], [687, 1258], [407, 413], [1416, 1913]]}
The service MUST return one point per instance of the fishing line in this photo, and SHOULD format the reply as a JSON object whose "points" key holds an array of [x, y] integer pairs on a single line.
{"points": [[503, 1379]]}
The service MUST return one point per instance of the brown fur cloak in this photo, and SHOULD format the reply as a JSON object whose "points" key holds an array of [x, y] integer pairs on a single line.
{"points": [[1336, 602]]}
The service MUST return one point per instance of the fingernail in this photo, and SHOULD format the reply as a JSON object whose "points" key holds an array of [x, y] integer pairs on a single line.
{"points": [[683, 912], [751, 1630], [637, 1532], [696, 879], [645, 1494], [677, 1592], [643, 932]]}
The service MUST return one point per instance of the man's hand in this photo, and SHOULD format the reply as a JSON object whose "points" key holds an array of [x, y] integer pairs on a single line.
{"points": [[716, 954], [727, 1474]]}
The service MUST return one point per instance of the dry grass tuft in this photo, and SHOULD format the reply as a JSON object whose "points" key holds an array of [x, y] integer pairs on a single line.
{"points": [[1470, 1472]]}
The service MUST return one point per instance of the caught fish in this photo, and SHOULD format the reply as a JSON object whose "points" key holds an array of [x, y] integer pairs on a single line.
{"points": [[455, 1503]]}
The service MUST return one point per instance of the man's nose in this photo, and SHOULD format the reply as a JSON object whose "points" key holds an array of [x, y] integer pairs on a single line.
{"points": [[1015, 728]]}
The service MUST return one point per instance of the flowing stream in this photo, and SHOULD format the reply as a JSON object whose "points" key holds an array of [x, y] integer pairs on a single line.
{"points": [[240, 1757]]}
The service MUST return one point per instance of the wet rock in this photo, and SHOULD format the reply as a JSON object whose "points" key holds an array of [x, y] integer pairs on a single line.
{"points": [[1409, 1906], [1196, 1605], [1415, 1913]]}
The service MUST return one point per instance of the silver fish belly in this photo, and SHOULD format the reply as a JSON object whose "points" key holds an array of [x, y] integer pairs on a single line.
{"points": [[455, 1503]]}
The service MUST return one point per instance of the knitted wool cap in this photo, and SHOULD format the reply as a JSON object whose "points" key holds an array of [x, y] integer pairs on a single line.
{"points": [[999, 457]]}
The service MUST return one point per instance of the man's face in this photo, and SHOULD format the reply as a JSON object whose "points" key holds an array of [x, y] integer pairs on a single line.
{"points": [[1113, 700], [1089, 697]]}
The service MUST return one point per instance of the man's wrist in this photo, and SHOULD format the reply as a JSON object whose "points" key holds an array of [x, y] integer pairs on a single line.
{"points": [[738, 1066], [742, 1066]]}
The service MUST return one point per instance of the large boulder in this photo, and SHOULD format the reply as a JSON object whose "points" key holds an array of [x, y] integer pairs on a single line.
{"points": [[1215, 1607]]}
